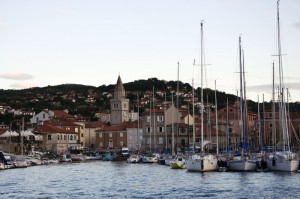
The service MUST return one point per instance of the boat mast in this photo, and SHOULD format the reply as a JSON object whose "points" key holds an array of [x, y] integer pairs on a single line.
{"points": [[241, 93], [154, 127], [165, 108], [217, 129], [259, 124], [245, 122], [150, 127], [194, 134], [173, 151], [273, 111], [177, 104], [138, 128], [282, 106], [201, 57]]}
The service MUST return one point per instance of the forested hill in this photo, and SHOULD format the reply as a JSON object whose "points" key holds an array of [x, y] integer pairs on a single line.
{"points": [[88, 100]]}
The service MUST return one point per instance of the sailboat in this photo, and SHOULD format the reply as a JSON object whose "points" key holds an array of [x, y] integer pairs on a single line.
{"points": [[201, 162], [242, 161], [285, 159]]}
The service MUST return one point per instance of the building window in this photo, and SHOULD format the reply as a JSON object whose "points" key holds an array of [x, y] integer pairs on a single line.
{"points": [[121, 143], [76, 130], [160, 140], [101, 144], [270, 125], [124, 105], [121, 135], [149, 129], [49, 137], [71, 137], [57, 137], [65, 137], [44, 116], [115, 105], [110, 135], [100, 135], [160, 129], [160, 118], [148, 119], [110, 144]]}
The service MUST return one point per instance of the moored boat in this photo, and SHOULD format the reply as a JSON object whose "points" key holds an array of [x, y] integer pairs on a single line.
{"points": [[178, 163]]}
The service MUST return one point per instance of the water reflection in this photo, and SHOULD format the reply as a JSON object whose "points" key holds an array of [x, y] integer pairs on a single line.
{"points": [[122, 180]]}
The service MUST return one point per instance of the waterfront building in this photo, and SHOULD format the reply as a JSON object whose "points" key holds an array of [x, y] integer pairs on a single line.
{"points": [[56, 139], [111, 137]]}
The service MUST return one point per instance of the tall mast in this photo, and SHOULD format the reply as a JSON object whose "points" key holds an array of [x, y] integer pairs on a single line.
{"points": [[138, 128], [227, 125], [172, 119], [217, 129], [245, 102], [150, 127], [201, 57], [177, 104], [241, 92], [154, 127], [165, 108], [259, 124], [273, 110], [194, 134], [264, 123]]}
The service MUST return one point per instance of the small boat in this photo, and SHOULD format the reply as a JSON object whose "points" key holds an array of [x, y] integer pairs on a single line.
{"points": [[107, 156], [77, 154], [65, 158], [150, 158], [134, 159], [178, 163], [90, 155]]}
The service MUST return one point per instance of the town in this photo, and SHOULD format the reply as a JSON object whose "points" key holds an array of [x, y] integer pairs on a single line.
{"points": [[163, 127]]}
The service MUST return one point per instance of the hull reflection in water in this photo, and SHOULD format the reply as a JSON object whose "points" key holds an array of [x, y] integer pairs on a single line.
{"points": [[103, 179]]}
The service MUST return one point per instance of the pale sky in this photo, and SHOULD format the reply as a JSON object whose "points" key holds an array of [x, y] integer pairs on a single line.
{"points": [[91, 42]]}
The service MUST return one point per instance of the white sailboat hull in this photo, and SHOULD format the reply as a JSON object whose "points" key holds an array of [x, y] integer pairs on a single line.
{"points": [[202, 164], [242, 164], [283, 161]]}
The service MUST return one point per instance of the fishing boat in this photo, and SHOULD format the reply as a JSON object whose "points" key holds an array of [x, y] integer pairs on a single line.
{"points": [[242, 161], [201, 162], [283, 159]]}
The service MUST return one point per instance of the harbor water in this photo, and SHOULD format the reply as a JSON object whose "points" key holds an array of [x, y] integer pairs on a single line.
{"points": [[101, 179]]}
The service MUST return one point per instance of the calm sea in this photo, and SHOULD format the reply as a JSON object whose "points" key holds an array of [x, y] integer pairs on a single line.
{"points": [[121, 180]]}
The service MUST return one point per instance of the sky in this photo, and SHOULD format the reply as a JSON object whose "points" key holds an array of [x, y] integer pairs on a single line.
{"points": [[92, 42]]}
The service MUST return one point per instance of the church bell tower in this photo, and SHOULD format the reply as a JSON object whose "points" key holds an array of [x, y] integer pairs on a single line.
{"points": [[119, 105]]}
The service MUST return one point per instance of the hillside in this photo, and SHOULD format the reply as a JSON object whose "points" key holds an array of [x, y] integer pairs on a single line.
{"points": [[88, 100]]}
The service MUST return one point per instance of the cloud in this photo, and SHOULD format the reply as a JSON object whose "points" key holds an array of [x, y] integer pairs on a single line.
{"points": [[297, 25], [22, 85], [268, 87], [16, 76]]}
